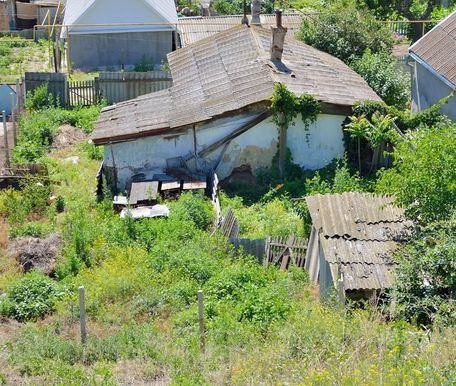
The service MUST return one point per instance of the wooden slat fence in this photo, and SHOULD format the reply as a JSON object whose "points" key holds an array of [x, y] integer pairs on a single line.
{"points": [[283, 250], [114, 87], [82, 93], [121, 86]]}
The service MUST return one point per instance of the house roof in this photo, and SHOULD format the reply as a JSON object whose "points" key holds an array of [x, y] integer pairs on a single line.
{"points": [[437, 49], [359, 232], [196, 28], [225, 73], [75, 9]]}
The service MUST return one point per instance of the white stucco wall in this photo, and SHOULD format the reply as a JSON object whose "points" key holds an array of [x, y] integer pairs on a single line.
{"points": [[312, 149]]}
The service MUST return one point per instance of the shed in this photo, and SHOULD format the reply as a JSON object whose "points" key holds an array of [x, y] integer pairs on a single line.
{"points": [[352, 242], [434, 67], [216, 114], [105, 34], [5, 98]]}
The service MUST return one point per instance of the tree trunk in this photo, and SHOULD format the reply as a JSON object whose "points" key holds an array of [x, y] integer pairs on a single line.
{"points": [[359, 155], [282, 145]]}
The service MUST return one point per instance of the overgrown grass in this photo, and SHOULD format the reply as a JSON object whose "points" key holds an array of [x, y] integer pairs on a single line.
{"points": [[264, 326], [18, 55]]}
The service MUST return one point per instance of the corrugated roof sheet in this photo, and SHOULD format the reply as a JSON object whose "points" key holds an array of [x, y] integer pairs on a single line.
{"points": [[438, 48], [194, 29], [359, 233], [229, 71], [350, 215]]}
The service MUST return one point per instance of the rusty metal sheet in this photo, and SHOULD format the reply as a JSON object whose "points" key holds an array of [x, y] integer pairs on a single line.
{"points": [[143, 191]]}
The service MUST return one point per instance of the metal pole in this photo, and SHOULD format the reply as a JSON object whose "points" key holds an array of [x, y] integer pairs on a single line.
{"points": [[13, 118], [201, 320], [82, 315], [5, 139]]}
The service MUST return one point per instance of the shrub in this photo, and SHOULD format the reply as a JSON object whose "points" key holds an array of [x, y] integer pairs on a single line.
{"points": [[424, 173], [382, 73], [424, 289], [193, 207], [31, 297], [39, 98], [345, 32]]}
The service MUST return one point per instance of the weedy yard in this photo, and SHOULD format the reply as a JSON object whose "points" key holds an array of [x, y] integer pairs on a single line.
{"points": [[264, 326], [18, 55]]}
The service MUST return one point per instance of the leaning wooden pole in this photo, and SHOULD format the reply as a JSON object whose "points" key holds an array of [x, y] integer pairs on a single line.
{"points": [[5, 140], [201, 321]]}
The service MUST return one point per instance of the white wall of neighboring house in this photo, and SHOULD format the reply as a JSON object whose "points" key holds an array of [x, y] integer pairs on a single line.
{"points": [[311, 149]]}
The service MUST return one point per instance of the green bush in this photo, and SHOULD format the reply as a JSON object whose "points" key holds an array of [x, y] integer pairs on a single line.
{"points": [[424, 174], [39, 99], [31, 297], [31, 229], [193, 207], [346, 32], [424, 289], [382, 72]]}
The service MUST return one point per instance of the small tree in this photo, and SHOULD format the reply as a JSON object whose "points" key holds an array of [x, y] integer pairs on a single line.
{"points": [[345, 32], [381, 72]]}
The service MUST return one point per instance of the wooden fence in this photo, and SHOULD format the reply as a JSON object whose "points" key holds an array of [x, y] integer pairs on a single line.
{"points": [[113, 87], [122, 86]]}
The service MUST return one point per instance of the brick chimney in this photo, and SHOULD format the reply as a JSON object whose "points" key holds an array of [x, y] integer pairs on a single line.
{"points": [[256, 10], [278, 37]]}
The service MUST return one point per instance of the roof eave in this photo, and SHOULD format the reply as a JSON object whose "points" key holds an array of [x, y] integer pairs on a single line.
{"points": [[431, 70]]}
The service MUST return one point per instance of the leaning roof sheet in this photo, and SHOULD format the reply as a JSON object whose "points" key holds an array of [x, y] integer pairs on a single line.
{"points": [[438, 48], [229, 71], [351, 214]]}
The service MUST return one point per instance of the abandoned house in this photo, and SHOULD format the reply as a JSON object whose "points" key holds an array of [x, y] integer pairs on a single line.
{"points": [[353, 238], [216, 115], [104, 34], [434, 67]]}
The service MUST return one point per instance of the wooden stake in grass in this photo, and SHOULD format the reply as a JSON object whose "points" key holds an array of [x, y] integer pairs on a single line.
{"points": [[5, 139], [201, 320], [82, 315]]}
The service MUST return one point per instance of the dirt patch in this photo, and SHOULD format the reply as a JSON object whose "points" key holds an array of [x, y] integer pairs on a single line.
{"points": [[34, 253], [68, 136]]}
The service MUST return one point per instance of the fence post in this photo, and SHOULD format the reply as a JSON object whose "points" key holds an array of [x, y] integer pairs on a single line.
{"points": [[82, 315], [201, 320], [5, 140], [13, 118]]}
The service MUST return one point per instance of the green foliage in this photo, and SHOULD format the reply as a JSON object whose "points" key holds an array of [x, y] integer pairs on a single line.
{"points": [[424, 173], [38, 126], [236, 7], [39, 98], [286, 105], [346, 32], [92, 151], [195, 208], [146, 64], [386, 78], [31, 229], [424, 291], [30, 298]]}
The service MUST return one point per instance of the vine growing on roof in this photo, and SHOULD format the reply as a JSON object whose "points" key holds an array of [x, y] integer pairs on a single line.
{"points": [[285, 107]]}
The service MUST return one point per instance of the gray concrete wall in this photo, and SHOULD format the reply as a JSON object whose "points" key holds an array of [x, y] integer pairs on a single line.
{"points": [[114, 50], [427, 89]]}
